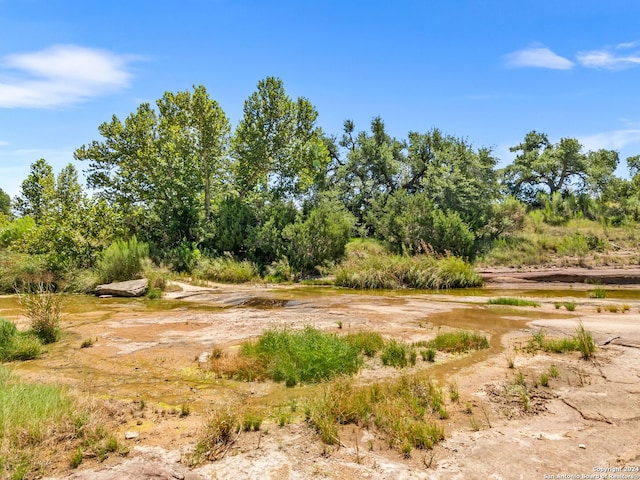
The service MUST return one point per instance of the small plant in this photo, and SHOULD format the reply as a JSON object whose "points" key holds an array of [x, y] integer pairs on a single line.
{"points": [[598, 292], [557, 305], [87, 342], [457, 342], [570, 306], [395, 354], [514, 302], [43, 308], [519, 380], [453, 392], [76, 458], [511, 362], [544, 380], [475, 425], [251, 421], [553, 371], [428, 354], [468, 410], [585, 342], [185, 410], [612, 307], [368, 343], [625, 308], [339, 323], [220, 430], [154, 293]]}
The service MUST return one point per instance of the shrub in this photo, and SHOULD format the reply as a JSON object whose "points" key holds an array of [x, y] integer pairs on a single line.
{"points": [[43, 308], [123, 260]]}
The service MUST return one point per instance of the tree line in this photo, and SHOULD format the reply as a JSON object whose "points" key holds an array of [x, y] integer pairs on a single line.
{"points": [[278, 188]]}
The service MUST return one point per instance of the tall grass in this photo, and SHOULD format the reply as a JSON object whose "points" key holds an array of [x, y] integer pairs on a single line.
{"points": [[308, 355], [405, 411], [123, 260], [43, 308], [457, 342], [225, 269], [39, 421], [515, 302], [582, 341], [395, 271]]}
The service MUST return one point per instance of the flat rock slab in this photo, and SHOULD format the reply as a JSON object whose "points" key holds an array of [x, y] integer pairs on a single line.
{"points": [[130, 288]]}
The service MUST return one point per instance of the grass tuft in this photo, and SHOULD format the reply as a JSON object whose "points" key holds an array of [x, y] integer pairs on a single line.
{"points": [[515, 302], [460, 341]]}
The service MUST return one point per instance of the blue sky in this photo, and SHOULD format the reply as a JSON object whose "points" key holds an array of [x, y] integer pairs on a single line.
{"points": [[488, 71]]}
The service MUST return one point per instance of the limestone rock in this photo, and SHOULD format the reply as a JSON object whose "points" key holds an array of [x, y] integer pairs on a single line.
{"points": [[130, 288]]}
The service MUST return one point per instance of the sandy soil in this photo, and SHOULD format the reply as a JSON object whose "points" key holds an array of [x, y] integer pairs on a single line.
{"points": [[587, 419]]}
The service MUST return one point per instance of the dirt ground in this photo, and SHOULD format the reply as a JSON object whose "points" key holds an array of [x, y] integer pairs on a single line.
{"points": [[148, 358]]}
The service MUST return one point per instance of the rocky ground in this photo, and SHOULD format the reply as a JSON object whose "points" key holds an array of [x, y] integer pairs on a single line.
{"points": [[586, 419]]}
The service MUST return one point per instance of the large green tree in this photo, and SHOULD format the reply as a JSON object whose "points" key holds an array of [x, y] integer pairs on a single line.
{"points": [[37, 191], [5, 203], [162, 168], [542, 166], [278, 149]]}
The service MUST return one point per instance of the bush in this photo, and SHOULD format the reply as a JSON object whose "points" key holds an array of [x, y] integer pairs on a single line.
{"points": [[368, 343], [15, 345], [320, 238], [123, 260]]}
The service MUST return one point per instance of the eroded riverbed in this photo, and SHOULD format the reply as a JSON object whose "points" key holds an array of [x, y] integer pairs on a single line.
{"points": [[148, 350]]}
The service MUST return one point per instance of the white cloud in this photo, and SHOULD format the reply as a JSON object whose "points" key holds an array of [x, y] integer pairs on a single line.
{"points": [[3, 143], [539, 57], [612, 140], [605, 58], [61, 75]]}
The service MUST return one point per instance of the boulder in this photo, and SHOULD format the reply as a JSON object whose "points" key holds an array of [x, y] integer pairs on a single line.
{"points": [[130, 288]]}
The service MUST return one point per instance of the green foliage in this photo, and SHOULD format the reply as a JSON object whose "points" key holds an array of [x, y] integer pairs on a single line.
{"points": [[396, 354], [320, 238], [543, 166], [43, 308], [400, 411], [394, 271], [460, 341], [5, 203], [225, 269], [277, 146], [221, 427], [598, 292], [582, 341], [368, 343], [37, 191], [308, 355], [123, 260], [585, 343], [428, 354], [14, 231], [516, 302]]}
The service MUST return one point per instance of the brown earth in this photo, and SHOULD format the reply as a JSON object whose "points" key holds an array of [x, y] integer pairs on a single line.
{"points": [[146, 357]]}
